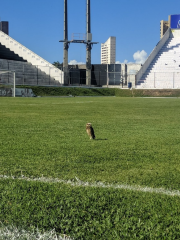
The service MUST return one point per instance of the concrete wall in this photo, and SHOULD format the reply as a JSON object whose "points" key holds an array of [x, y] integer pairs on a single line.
{"points": [[19, 92], [103, 74], [99, 74], [133, 68]]}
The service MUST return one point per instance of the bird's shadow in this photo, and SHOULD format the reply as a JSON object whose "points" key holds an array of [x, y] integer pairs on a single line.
{"points": [[101, 139]]}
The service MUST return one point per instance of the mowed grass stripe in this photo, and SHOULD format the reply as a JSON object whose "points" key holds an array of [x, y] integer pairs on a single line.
{"points": [[88, 213], [78, 182], [137, 140]]}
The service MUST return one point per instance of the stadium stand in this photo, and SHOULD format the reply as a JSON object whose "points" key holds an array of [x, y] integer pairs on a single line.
{"points": [[30, 68], [163, 71]]}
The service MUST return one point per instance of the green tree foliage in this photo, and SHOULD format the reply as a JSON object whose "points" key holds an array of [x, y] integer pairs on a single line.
{"points": [[58, 65]]}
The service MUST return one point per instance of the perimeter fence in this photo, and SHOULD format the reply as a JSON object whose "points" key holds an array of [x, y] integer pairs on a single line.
{"points": [[28, 74], [99, 78], [161, 80]]}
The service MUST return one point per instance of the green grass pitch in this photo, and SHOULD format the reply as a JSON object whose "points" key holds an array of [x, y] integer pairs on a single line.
{"points": [[137, 143]]}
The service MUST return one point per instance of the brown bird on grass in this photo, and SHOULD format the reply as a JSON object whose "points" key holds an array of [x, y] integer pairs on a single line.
{"points": [[90, 130]]}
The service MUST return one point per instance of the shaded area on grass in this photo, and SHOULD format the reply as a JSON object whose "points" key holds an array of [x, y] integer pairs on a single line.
{"points": [[89, 213]]}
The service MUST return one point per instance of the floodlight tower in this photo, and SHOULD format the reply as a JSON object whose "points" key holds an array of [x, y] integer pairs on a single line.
{"points": [[66, 46], [88, 44]]}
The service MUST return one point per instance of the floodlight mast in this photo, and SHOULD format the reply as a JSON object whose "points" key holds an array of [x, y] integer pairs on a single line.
{"points": [[66, 46], [88, 43]]}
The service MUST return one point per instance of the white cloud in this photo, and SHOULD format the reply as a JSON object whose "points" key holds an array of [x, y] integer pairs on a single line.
{"points": [[125, 61], [140, 56], [74, 62]]}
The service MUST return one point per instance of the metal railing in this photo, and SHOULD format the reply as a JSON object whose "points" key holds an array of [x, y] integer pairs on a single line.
{"points": [[99, 78], [27, 74]]}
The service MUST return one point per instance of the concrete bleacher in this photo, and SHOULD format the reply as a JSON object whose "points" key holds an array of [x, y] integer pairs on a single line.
{"points": [[30, 68], [164, 69], [26, 74], [6, 53]]}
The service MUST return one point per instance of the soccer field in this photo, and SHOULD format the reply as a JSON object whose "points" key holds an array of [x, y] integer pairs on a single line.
{"points": [[91, 189]]}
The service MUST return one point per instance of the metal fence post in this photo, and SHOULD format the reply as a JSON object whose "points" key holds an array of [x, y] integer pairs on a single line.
{"points": [[79, 77], [14, 84], [37, 74], [23, 73], [114, 75], [49, 76], [99, 77], [121, 77], [8, 71], [107, 75]]}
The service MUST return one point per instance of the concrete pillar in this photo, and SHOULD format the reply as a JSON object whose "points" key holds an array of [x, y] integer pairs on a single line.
{"points": [[132, 79], [66, 46], [88, 66], [65, 64], [88, 45], [123, 72]]}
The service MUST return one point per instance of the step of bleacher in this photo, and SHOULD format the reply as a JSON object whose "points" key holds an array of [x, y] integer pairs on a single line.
{"points": [[26, 73]]}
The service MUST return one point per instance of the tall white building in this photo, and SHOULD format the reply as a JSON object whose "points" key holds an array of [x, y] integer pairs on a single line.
{"points": [[108, 51]]}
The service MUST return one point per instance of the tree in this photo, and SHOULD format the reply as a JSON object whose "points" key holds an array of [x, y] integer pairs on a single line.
{"points": [[58, 65]]}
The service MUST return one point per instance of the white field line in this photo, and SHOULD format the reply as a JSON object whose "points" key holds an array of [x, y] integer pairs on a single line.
{"points": [[13, 233], [80, 183]]}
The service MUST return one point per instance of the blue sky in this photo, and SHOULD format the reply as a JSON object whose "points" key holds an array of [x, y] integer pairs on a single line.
{"points": [[38, 25]]}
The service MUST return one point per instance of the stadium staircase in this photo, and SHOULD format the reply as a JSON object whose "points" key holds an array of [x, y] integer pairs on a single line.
{"points": [[26, 74], [163, 71], [29, 67]]}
